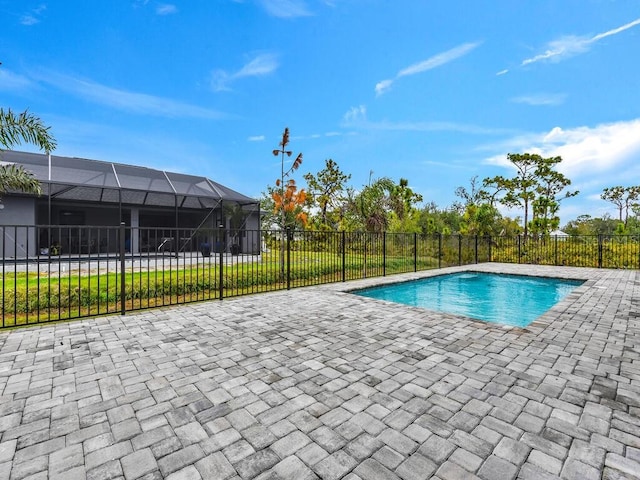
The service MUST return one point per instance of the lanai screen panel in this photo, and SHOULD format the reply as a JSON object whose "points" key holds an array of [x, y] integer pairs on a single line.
{"points": [[191, 185], [81, 172], [142, 178], [79, 179], [231, 195]]}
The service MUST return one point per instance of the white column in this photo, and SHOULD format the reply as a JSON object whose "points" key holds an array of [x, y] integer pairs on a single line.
{"points": [[135, 233]]}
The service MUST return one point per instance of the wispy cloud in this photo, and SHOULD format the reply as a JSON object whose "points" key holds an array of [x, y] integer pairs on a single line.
{"points": [[428, 64], [383, 86], [445, 164], [356, 117], [571, 45], [10, 81], [256, 138], [166, 9], [261, 65], [33, 16], [133, 102], [286, 8], [541, 99], [160, 150], [585, 151]]}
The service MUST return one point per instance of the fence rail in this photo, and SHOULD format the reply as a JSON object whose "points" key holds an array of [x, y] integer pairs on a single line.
{"points": [[59, 273]]}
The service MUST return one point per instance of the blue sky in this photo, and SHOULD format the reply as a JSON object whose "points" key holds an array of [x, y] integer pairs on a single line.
{"points": [[436, 92]]}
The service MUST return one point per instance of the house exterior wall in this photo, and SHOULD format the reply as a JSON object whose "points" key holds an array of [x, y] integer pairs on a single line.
{"points": [[252, 240], [17, 240]]}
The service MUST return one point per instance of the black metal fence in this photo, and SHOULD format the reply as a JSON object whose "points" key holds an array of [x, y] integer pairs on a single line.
{"points": [[598, 251], [58, 273]]}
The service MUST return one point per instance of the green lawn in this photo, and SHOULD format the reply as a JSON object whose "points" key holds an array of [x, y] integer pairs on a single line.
{"points": [[35, 296]]}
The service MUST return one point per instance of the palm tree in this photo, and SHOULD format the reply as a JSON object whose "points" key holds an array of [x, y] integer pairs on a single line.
{"points": [[15, 177], [15, 129]]}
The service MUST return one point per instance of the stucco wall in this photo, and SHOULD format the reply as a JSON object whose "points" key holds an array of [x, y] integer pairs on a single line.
{"points": [[18, 241]]}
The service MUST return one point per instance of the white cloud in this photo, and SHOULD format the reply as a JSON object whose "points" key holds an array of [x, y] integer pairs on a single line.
{"points": [[29, 20], [541, 99], [286, 8], [166, 9], [428, 64], [355, 115], [585, 151], [383, 86], [438, 60], [12, 81], [502, 72], [256, 138], [569, 46], [133, 102], [33, 17], [261, 65]]}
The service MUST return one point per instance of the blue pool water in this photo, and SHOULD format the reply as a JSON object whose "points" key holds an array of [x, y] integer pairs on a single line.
{"points": [[507, 299]]}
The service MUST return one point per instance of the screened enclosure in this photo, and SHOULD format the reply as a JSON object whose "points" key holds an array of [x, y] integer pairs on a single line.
{"points": [[83, 192]]}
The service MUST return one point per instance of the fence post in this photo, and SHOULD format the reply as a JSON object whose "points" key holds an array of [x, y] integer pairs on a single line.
{"points": [[490, 246], [555, 250], [122, 267], [288, 235], [476, 247], [415, 252], [519, 251], [459, 249], [384, 254], [4, 244], [600, 251], [344, 249], [439, 250], [220, 261]]}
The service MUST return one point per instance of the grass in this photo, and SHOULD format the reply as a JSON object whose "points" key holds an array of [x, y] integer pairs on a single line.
{"points": [[38, 295]]}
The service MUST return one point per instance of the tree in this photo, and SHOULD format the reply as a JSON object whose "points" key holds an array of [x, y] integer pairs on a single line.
{"points": [[623, 198], [498, 184], [287, 200], [326, 189], [520, 190], [402, 199], [474, 196], [25, 127], [290, 202], [404, 216], [587, 225], [550, 185], [479, 215], [482, 219], [370, 205], [14, 130], [15, 177], [535, 189]]}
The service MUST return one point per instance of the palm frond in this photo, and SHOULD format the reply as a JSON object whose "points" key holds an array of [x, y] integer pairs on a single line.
{"points": [[15, 177], [24, 128]]}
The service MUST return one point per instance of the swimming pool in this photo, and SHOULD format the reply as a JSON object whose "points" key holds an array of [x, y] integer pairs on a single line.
{"points": [[515, 300]]}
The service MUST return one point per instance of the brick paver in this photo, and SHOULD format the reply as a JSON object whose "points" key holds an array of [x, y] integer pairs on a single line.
{"points": [[317, 383]]}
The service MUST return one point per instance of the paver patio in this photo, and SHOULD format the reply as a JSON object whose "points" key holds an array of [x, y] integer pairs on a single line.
{"points": [[319, 383]]}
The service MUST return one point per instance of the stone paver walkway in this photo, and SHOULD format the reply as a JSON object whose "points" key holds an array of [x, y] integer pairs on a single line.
{"points": [[319, 383]]}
